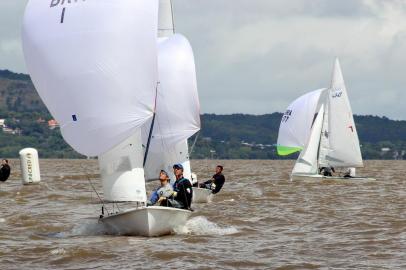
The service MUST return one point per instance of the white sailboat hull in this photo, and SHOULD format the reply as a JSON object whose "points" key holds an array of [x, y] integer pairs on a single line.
{"points": [[318, 177], [146, 221], [201, 195]]}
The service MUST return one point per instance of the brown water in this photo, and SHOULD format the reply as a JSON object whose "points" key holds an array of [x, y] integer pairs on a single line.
{"points": [[260, 220]]}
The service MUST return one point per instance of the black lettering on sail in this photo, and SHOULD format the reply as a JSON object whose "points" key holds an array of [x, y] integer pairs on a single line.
{"points": [[54, 3], [63, 15]]}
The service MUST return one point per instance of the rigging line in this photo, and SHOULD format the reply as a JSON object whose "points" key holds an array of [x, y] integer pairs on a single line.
{"points": [[151, 129], [194, 143], [94, 189], [173, 17]]}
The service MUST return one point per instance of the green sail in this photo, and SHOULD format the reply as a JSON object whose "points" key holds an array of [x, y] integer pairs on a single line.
{"points": [[286, 150]]}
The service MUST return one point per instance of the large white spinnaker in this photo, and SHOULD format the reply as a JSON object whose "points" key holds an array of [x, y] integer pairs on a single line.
{"points": [[344, 149], [296, 123], [177, 107], [94, 64]]}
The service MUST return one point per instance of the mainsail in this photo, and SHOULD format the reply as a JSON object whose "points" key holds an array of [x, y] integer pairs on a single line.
{"points": [[166, 26], [344, 149], [178, 107], [296, 124], [94, 64]]}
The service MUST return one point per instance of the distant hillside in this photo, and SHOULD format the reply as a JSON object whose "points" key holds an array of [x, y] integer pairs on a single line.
{"points": [[225, 134], [237, 136]]}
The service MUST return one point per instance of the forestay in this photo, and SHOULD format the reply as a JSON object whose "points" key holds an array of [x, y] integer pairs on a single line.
{"points": [[296, 124], [94, 64]]}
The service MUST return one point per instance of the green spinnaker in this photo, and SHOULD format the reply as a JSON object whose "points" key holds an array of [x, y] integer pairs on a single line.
{"points": [[286, 150]]}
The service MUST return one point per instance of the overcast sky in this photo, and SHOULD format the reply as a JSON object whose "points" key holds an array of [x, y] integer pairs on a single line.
{"points": [[256, 56]]}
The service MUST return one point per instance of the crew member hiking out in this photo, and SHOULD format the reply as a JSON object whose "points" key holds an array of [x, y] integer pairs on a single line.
{"points": [[217, 181]]}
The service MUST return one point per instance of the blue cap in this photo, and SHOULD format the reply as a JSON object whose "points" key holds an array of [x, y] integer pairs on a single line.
{"points": [[178, 166]]}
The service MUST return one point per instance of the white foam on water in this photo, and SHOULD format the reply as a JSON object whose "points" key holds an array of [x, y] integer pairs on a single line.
{"points": [[89, 227], [202, 226], [230, 200], [58, 251], [86, 228], [2, 220]]}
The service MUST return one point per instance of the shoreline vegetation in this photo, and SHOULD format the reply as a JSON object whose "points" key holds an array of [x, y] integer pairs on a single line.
{"points": [[25, 122]]}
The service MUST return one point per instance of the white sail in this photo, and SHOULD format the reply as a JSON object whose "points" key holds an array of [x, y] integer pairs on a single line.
{"points": [[324, 147], [296, 124], [94, 64], [177, 105], [157, 161], [122, 172], [165, 22], [307, 161], [344, 149], [178, 154]]}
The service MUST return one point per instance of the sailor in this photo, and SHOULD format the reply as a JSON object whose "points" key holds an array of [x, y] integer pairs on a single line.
{"points": [[164, 191], [217, 181], [350, 173], [183, 192], [4, 170], [327, 171]]}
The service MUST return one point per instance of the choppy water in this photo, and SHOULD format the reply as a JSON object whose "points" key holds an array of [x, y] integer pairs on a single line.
{"points": [[260, 220]]}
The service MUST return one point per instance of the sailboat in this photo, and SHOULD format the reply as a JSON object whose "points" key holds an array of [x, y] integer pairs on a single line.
{"points": [[321, 126], [95, 65], [178, 110]]}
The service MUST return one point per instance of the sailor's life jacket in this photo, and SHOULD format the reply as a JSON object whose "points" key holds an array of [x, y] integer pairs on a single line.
{"points": [[219, 180], [184, 190], [165, 191]]}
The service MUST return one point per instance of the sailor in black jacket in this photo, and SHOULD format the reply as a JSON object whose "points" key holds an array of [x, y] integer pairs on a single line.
{"points": [[217, 182], [4, 170], [183, 192]]}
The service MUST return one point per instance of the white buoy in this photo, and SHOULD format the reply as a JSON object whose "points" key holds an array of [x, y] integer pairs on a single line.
{"points": [[30, 166]]}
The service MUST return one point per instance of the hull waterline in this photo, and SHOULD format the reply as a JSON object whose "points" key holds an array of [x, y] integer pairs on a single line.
{"points": [[318, 178]]}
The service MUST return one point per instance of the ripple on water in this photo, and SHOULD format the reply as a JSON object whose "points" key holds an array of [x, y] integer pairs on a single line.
{"points": [[260, 220]]}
